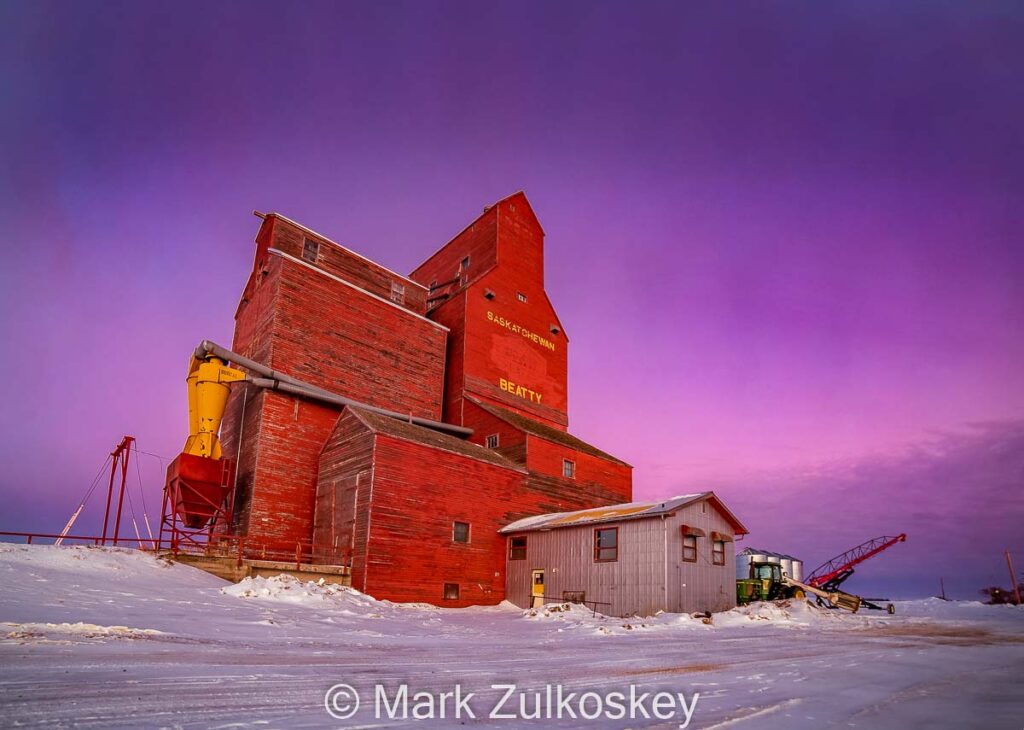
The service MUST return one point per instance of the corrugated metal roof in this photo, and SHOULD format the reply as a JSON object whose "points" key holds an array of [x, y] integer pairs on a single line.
{"points": [[612, 513], [769, 553]]}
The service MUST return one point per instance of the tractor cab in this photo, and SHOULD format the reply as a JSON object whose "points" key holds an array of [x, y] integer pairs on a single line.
{"points": [[763, 583], [767, 572]]}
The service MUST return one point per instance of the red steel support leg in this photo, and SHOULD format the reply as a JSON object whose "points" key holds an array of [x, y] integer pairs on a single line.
{"points": [[110, 493], [121, 456], [163, 521]]}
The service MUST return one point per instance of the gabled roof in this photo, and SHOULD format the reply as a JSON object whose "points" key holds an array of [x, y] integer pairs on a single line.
{"points": [[621, 513], [529, 208], [428, 437], [540, 430], [486, 211]]}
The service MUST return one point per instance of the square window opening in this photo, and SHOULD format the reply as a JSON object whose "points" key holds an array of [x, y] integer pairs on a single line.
{"points": [[606, 545], [460, 532], [493, 440], [451, 591], [517, 548]]}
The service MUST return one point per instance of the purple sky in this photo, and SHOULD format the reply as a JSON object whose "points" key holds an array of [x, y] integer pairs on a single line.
{"points": [[785, 241]]}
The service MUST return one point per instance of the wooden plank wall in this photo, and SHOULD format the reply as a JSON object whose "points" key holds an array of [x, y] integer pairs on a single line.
{"points": [[497, 339], [343, 494], [348, 265], [594, 475], [337, 338], [299, 321], [418, 492]]}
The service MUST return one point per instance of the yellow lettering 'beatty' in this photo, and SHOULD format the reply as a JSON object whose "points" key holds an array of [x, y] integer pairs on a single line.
{"points": [[519, 390]]}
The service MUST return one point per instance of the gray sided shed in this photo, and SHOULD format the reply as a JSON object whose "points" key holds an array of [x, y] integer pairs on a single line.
{"points": [[649, 574]]}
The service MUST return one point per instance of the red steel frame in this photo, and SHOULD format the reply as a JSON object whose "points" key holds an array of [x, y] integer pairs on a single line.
{"points": [[837, 566], [120, 456]]}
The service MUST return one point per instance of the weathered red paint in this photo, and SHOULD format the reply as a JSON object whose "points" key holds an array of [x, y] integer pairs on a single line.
{"points": [[296, 316], [381, 495], [496, 337]]}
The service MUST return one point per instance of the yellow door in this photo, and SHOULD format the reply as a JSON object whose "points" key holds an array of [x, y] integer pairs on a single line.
{"points": [[537, 592]]}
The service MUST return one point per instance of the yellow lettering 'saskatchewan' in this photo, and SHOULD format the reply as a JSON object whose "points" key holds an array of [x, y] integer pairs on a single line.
{"points": [[517, 329]]}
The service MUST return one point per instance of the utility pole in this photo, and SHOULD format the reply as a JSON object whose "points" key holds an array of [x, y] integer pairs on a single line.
{"points": [[942, 589], [1013, 578]]}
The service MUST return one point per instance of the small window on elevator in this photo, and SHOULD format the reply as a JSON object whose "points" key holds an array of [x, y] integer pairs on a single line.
{"points": [[451, 591], [310, 250], [397, 292]]}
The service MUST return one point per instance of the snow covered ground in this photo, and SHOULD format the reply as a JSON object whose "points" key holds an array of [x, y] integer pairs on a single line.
{"points": [[105, 638]]}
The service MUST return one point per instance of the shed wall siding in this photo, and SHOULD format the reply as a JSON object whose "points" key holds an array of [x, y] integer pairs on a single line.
{"points": [[648, 577]]}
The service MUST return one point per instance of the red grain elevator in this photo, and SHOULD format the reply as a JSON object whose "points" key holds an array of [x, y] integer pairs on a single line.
{"points": [[470, 338]]}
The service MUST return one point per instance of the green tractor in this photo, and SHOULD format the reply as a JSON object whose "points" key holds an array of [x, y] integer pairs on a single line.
{"points": [[765, 582]]}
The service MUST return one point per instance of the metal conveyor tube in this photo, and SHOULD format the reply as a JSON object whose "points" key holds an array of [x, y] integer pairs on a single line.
{"points": [[285, 383]]}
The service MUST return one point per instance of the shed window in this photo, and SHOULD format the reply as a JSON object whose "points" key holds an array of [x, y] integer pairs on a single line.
{"points": [[451, 591], [606, 545], [397, 292], [460, 532], [492, 441], [310, 250], [568, 469], [689, 548], [517, 548], [520, 296], [718, 552]]}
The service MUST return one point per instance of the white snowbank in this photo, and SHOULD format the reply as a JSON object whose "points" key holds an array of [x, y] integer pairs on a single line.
{"points": [[289, 589], [790, 613], [82, 559], [50, 632]]}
